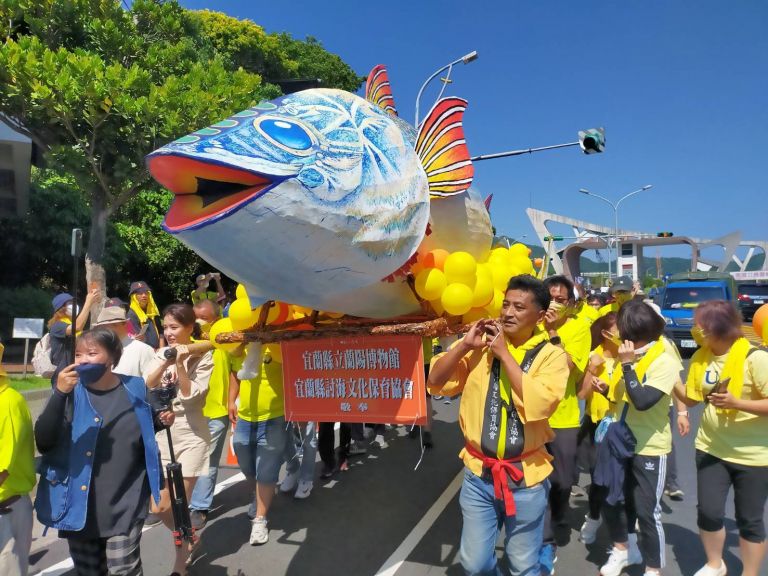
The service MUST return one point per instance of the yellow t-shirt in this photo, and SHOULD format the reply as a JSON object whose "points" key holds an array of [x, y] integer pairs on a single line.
{"points": [[543, 387], [597, 404], [17, 449], [651, 427], [262, 398], [741, 438], [218, 386], [577, 340]]}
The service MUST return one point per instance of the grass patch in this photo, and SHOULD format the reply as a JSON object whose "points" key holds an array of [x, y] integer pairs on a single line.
{"points": [[31, 382]]}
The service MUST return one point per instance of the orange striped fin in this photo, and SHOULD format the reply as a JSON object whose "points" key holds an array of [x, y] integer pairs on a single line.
{"points": [[378, 91], [443, 150]]}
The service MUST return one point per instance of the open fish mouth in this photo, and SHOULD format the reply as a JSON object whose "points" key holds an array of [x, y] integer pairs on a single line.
{"points": [[204, 191]]}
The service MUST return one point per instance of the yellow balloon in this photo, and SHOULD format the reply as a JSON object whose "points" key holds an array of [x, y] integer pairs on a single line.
{"points": [[494, 308], [241, 315], [519, 249], [482, 293], [501, 275], [499, 256], [484, 271], [430, 283], [460, 265], [474, 315], [219, 327], [240, 291], [457, 299]]}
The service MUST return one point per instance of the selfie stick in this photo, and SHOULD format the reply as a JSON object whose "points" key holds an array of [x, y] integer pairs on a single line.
{"points": [[77, 249]]}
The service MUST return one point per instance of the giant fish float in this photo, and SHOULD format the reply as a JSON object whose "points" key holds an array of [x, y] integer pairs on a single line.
{"points": [[324, 199]]}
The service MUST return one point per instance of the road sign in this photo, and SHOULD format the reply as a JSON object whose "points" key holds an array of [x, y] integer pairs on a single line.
{"points": [[28, 328]]}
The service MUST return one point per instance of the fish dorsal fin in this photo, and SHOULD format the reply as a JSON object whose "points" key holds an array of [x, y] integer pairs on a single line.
{"points": [[443, 150], [378, 90]]}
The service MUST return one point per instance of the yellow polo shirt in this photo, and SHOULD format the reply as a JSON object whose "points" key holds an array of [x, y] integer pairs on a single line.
{"points": [[17, 449], [577, 340], [218, 386], [543, 388], [741, 438], [262, 398]]}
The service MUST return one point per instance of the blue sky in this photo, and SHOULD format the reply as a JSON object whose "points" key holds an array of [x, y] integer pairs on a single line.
{"points": [[681, 88]]}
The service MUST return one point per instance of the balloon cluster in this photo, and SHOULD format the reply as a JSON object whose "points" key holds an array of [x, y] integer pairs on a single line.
{"points": [[243, 316], [459, 285]]}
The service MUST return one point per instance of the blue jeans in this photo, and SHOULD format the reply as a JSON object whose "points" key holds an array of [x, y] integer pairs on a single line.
{"points": [[259, 447], [305, 466], [483, 518], [202, 495]]}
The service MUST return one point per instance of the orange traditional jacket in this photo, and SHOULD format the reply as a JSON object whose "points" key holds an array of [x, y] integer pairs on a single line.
{"points": [[543, 388]]}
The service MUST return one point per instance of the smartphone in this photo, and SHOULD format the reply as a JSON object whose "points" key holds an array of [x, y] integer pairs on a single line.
{"points": [[144, 329], [721, 387]]}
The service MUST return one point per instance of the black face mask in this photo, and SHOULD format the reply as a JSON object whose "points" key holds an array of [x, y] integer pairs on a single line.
{"points": [[90, 373]]}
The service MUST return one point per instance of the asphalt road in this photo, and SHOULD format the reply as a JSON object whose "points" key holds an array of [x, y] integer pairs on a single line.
{"points": [[383, 517]]}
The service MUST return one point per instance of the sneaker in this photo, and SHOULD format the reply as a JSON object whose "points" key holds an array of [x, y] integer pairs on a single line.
{"points": [[426, 439], [252, 509], [708, 571], [305, 487], [289, 483], [547, 559], [198, 519], [674, 493], [356, 449], [588, 532], [327, 472], [380, 442], [152, 520], [620, 559], [259, 531]]}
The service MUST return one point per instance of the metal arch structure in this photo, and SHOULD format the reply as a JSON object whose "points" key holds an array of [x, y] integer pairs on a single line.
{"points": [[591, 236]]}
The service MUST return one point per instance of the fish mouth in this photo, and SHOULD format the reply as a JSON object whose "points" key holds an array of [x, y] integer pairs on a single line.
{"points": [[204, 191]]}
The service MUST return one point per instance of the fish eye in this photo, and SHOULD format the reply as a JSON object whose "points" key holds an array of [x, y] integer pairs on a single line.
{"points": [[286, 134]]}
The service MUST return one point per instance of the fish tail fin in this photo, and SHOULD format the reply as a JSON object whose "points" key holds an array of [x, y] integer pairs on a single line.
{"points": [[443, 150], [487, 202], [378, 90]]}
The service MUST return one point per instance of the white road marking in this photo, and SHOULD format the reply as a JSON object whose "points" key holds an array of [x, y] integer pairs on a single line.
{"points": [[398, 557]]}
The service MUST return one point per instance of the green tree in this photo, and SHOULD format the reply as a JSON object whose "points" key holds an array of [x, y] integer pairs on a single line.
{"points": [[97, 88]]}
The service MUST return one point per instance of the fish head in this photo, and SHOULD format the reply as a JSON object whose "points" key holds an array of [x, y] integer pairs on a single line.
{"points": [[322, 178]]}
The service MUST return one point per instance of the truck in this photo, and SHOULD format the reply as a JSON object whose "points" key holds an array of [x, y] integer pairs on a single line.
{"points": [[683, 293]]}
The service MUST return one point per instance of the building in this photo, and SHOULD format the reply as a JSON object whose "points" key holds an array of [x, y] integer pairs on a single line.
{"points": [[15, 164]]}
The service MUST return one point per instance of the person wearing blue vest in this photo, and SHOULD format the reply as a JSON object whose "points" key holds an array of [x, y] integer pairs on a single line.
{"points": [[97, 500]]}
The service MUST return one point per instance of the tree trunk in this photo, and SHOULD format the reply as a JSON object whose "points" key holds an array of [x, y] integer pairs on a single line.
{"points": [[95, 274]]}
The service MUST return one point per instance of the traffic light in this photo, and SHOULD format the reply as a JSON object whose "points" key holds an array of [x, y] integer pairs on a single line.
{"points": [[664, 234], [553, 238], [592, 141]]}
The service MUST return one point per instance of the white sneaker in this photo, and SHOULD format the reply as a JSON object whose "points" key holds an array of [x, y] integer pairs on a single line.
{"points": [[620, 559], [289, 483], [259, 531], [588, 532], [707, 571], [305, 487]]}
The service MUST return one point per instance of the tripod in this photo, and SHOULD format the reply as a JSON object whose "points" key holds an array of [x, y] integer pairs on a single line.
{"points": [[182, 525]]}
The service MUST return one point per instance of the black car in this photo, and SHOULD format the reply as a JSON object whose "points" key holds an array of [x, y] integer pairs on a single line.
{"points": [[752, 295]]}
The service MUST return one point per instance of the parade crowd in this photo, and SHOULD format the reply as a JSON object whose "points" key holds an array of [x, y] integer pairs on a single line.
{"points": [[561, 380]]}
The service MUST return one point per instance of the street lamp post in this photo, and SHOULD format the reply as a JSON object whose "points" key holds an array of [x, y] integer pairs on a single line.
{"points": [[466, 59], [615, 207]]}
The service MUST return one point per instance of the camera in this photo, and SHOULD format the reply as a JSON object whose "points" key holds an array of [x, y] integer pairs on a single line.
{"points": [[160, 398]]}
